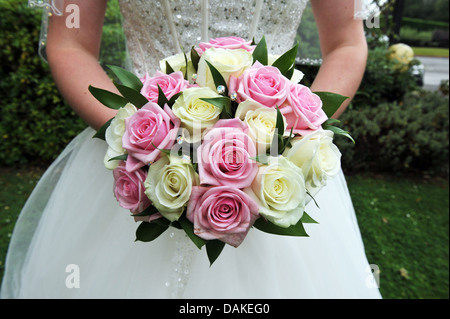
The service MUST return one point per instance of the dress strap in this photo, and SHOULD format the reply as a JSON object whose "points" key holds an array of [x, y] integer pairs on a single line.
{"points": [[256, 17], [173, 31], [52, 6], [205, 20]]}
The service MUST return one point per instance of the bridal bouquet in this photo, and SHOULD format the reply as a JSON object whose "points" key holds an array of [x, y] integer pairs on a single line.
{"points": [[220, 140]]}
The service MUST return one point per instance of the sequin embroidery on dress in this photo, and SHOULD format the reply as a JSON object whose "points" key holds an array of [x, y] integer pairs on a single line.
{"points": [[149, 36], [180, 264]]}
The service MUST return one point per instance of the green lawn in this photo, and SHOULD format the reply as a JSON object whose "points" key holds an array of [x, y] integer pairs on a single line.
{"points": [[404, 224], [15, 186], [431, 52]]}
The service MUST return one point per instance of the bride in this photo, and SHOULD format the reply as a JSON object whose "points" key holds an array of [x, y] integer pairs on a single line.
{"points": [[73, 240]]}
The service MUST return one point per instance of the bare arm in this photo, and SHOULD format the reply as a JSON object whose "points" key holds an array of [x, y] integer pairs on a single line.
{"points": [[73, 59], [343, 46]]}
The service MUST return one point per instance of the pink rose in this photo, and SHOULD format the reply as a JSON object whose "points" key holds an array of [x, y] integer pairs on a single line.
{"points": [[129, 189], [222, 213], [263, 84], [224, 155], [303, 110], [148, 131], [226, 43], [170, 84]]}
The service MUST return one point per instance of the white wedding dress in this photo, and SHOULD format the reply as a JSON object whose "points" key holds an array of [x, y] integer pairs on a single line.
{"points": [[73, 240]]}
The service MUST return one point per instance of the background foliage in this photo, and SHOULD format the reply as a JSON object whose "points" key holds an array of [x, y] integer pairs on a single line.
{"points": [[425, 23], [431, 10], [398, 127], [35, 122], [389, 117], [409, 136]]}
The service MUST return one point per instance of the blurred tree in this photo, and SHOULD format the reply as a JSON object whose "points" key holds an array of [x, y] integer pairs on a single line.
{"points": [[386, 10], [308, 37], [442, 10], [434, 10], [397, 16]]}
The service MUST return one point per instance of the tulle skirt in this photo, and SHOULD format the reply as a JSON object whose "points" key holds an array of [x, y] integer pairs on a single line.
{"points": [[73, 240]]}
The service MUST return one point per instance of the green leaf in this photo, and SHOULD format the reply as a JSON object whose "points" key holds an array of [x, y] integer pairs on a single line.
{"points": [[162, 222], [127, 78], [264, 159], [108, 98], [329, 125], [285, 62], [188, 228], [280, 123], [175, 223], [331, 121], [167, 152], [162, 99], [213, 249], [312, 197], [223, 102], [290, 73], [278, 133], [172, 100], [101, 132], [122, 157], [268, 227], [339, 131], [227, 112], [260, 53], [217, 77], [169, 69], [187, 66], [306, 219], [149, 231], [195, 58], [150, 210], [287, 142], [331, 102], [133, 96]]}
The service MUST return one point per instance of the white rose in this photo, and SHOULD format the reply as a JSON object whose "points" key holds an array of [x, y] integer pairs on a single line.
{"points": [[195, 114], [271, 58], [279, 190], [169, 185], [317, 156], [261, 122], [296, 77], [228, 62], [114, 133], [178, 63]]}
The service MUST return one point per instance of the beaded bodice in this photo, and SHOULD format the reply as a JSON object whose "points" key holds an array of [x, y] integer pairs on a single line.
{"points": [[158, 29]]}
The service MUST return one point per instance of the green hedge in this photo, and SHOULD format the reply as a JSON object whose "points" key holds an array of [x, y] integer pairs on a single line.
{"points": [[422, 25], [416, 38], [35, 122], [402, 137], [397, 127], [385, 80]]}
